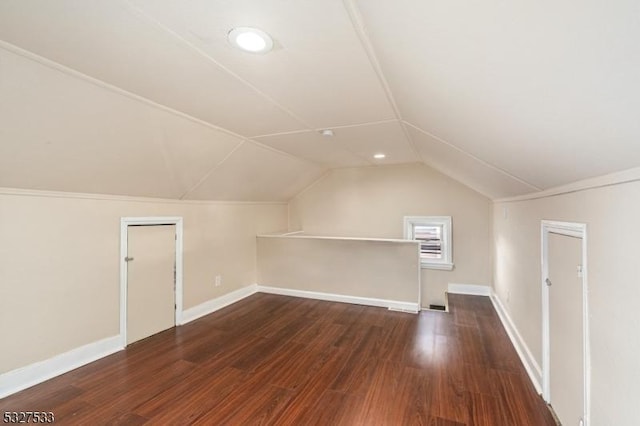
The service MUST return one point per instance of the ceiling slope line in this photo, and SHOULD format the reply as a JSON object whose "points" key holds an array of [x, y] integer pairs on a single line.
{"points": [[120, 91], [217, 165], [205, 55], [213, 169], [489, 165], [358, 25], [320, 178], [286, 154], [18, 192], [612, 179], [291, 132], [356, 20], [104, 85], [344, 126]]}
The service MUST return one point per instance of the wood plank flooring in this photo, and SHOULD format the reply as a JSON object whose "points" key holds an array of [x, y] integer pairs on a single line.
{"points": [[279, 360]]}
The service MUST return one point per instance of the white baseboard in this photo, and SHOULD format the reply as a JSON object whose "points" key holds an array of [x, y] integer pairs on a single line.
{"points": [[470, 289], [331, 297], [218, 303], [533, 369], [25, 377]]}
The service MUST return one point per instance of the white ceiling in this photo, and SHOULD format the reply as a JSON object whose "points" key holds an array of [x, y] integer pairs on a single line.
{"points": [[508, 98]]}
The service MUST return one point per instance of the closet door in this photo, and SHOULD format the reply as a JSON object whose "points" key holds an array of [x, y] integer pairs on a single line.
{"points": [[150, 280]]}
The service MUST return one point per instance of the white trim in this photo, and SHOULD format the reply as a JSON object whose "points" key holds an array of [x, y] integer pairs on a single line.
{"points": [[331, 297], [292, 233], [320, 129], [470, 289], [125, 222], [578, 230], [529, 362], [616, 178], [19, 192], [420, 280], [281, 234], [30, 375], [440, 266], [218, 303], [295, 234]]}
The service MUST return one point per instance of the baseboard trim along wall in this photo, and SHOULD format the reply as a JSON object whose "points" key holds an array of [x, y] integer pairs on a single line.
{"points": [[533, 369], [25, 377], [218, 303], [331, 297], [470, 289]]}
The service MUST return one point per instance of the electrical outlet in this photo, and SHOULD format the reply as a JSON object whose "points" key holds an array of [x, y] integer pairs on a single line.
{"points": [[218, 280]]}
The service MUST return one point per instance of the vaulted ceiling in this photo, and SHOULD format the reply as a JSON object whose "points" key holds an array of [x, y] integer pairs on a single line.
{"points": [[148, 98]]}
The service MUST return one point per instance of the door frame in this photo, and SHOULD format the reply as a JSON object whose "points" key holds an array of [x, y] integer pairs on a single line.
{"points": [[577, 230], [125, 222]]}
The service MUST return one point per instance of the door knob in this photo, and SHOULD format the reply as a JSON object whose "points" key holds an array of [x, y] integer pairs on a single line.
{"points": [[128, 259]]}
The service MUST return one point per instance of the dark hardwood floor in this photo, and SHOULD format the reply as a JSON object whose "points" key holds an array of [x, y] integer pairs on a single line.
{"points": [[286, 361]]}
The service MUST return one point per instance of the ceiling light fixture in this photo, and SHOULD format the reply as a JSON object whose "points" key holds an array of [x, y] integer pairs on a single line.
{"points": [[250, 40], [379, 156], [327, 133]]}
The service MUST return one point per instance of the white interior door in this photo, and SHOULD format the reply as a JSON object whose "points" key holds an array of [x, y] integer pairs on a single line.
{"points": [[566, 359], [150, 280]]}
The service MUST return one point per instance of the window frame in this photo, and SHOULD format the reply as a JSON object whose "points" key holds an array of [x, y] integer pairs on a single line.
{"points": [[446, 261]]}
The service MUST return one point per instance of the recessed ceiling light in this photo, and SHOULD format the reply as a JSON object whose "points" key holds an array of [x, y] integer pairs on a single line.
{"points": [[250, 40], [379, 156], [327, 133]]}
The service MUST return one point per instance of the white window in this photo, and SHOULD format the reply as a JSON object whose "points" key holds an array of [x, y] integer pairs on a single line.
{"points": [[434, 234]]}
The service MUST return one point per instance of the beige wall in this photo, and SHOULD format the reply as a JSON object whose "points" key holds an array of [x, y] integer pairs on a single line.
{"points": [[385, 270], [613, 234], [59, 279], [372, 201]]}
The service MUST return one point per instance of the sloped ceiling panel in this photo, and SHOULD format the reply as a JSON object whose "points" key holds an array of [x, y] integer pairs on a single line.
{"points": [[111, 42], [317, 60], [61, 133], [388, 138], [312, 146], [547, 92], [352, 146], [256, 173], [453, 162]]}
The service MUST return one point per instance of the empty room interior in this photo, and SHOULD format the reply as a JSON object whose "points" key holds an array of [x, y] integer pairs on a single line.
{"points": [[355, 212]]}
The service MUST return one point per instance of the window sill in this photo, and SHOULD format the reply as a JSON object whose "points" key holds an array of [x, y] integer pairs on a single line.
{"points": [[439, 266]]}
